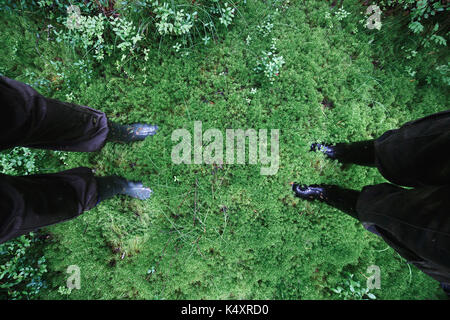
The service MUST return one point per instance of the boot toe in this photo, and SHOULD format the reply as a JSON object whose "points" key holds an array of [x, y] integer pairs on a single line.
{"points": [[326, 149], [138, 191], [144, 130], [310, 192]]}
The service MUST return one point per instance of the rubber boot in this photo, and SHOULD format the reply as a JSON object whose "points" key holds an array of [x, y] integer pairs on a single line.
{"points": [[129, 133], [361, 152], [337, 197], [110, 186]]}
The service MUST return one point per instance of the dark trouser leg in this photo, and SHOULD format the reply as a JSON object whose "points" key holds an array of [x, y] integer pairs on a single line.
{"points": [[31, 202], [414, 155], [35, 201], [414, 222], [361, 153], [32, 120], [69, 127], [343, 199], [335, 196]]}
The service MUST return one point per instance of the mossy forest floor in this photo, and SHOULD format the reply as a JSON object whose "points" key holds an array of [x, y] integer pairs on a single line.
{"points": [[228, 232]]}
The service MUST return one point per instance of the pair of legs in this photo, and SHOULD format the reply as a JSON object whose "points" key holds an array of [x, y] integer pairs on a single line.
{"points": [[414, 222], [31, 120], [361, 153]]}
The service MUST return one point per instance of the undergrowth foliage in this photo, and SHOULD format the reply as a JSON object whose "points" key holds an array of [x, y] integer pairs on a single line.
{"points": [[22, 266], [350, 289], [21, 269], [427, 17], [430, 28], [100, 28]]}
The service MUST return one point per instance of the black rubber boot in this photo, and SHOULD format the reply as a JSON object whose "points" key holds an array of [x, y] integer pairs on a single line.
{"points": [[337, 197], [129, 133], [110, 186], [361, 152]]}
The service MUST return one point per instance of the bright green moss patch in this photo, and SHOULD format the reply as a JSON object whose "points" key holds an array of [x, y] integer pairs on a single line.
{"points": [[228, 232]]}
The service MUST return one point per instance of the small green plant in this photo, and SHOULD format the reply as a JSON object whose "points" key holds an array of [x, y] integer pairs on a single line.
{"points": [[423, 16], [19, 161], [64, 291], [351, 289], [270, 62], [226, 14], [341, 14], [266, 27], [442, 75], [186, 20], [86, 34], [173, 22], [21, 272], [127, 35]]}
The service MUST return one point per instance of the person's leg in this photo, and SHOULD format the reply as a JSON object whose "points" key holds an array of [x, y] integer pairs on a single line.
{"points": [[416, 219], [32, 120], [413, 155], [360, 153], [335, 196], [31, 202], [34, 201], [414, 222]]}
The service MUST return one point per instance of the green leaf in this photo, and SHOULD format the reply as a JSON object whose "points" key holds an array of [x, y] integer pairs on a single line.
{"points": [[371, 296], [436, 27]]}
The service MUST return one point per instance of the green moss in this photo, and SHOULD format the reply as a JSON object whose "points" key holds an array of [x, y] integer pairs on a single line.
{"points": [[230, 232]]}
